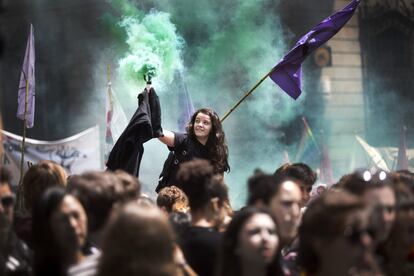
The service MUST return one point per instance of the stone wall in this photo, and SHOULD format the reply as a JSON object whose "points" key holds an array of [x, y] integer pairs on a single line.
{"points": [[343, 93]]}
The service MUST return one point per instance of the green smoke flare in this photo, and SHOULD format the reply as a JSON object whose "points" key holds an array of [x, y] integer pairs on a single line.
{"points": [[154, 48]]}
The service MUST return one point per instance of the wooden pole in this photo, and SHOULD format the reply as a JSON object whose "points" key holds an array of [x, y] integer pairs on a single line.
{"points": [[246, 95], [20, 199]]}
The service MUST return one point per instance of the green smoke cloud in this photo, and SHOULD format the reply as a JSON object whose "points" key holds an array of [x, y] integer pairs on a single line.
{"points": [[229, 46], [153, 47]]}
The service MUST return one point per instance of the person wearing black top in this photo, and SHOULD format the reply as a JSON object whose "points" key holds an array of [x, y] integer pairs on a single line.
{"points": [[15, 256], [204, 139], [200, 242]]}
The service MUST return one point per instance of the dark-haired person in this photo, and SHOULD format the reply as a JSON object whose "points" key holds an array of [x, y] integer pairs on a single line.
{"points": [[15, 257], [138, 240], [396, 251], [282, 196], [303, 175], [204, 139], [38, 178], [334, 237], [59, 232], [207, 195], [98, 192], [130, 186], [376, 190], [251, 245]]}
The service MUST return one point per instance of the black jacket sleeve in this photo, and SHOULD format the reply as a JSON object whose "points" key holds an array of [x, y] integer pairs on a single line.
{"points": [[128, 150], [155, 114]]}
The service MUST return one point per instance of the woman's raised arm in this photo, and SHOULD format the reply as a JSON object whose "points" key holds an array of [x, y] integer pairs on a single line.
{"points": [[168, 138]]}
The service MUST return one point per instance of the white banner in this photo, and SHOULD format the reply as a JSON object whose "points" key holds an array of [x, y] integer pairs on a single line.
{"points": [[76, 154]]}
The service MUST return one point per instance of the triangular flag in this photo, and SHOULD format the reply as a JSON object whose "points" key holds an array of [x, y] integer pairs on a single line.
{"points": [[26, 103]]}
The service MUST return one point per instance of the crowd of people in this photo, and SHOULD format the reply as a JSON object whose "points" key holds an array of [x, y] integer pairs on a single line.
{"points": [[99, 223]]}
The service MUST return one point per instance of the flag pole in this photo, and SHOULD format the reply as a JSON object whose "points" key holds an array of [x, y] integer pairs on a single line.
{"points": [[20, 203], [246, 95]]}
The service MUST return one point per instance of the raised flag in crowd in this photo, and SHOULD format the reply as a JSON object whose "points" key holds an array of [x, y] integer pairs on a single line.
{"points": [[27, 83], [288, 72]]}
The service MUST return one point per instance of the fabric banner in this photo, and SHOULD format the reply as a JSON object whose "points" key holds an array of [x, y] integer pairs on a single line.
{"points": [[76, 154]]}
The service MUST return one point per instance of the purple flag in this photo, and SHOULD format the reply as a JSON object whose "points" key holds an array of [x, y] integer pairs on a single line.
{"points": [[288, 72], [27, 74]]}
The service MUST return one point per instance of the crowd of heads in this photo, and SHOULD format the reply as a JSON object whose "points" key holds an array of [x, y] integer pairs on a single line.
{"points": [[362, 225]]}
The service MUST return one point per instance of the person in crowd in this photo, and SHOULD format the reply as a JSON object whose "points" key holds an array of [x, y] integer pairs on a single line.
{"points": [[205, 139], [131, 186], [340, 184], [36, 180], [15, 256], [397, 249], [334, 237], [172, 199], [206, 194], [303, 175], [98, 192], [59, 232], [376, 190], [138, 240], [251, 245], [180, 222], [282, 196]]}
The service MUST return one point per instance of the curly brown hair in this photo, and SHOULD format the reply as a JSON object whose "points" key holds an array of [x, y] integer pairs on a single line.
{"points": [[170, 197], [216, 143]]}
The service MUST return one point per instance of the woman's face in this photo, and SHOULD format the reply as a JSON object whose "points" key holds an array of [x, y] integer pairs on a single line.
{"points": [[202, 126], [258, 240], [69, 222]]}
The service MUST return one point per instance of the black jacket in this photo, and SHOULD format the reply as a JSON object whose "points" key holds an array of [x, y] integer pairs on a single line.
{"points": [[144, 125]]}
